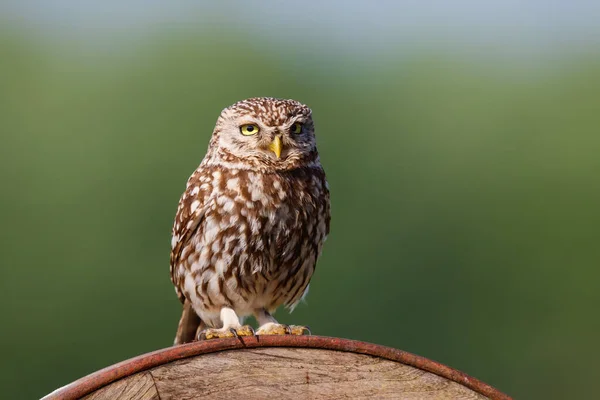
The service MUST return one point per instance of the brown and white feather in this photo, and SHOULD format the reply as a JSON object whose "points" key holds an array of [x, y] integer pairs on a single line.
{"points": [[249, 226]]}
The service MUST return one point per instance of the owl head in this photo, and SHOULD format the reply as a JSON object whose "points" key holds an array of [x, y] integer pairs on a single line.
{"points": [[264, 132]]}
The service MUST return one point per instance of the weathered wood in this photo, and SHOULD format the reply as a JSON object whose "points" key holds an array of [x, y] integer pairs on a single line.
{"points": [[300, 374], [136, 387], [300, 367]]}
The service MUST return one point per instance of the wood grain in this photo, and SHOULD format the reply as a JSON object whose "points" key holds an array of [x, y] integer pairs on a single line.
{"points": [[136, 387], [300, 374], [289, 366]]}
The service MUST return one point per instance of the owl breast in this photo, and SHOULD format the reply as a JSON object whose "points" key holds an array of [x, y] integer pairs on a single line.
{"points": [[258, 242]]}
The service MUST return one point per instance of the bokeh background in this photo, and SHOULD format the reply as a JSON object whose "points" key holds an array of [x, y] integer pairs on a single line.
{"points": [[461, 141]]}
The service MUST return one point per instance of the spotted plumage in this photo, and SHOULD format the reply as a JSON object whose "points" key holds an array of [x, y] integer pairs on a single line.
{"points": [[252, 220]]}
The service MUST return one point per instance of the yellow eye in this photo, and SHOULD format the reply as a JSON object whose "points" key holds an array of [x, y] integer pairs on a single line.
{"points": [[249, 129], [297, 128]]}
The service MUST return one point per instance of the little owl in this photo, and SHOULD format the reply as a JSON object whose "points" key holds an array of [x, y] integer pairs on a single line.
{"points": [[251, 222]]}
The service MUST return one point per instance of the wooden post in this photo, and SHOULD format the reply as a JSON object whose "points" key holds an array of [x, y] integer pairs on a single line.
{"points": [[278, 367]]}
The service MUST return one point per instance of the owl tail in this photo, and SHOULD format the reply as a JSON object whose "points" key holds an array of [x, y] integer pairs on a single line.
{"points": [[188, 324]]}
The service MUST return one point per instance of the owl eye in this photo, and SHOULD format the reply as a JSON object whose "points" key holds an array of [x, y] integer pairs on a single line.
{"points": [[297, 128], [249, 129]]}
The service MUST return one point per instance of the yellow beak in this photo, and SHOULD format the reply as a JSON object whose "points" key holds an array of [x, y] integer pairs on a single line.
{"points": [[275, 146]]}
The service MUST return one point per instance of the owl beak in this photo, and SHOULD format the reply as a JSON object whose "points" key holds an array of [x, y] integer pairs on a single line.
{"points": [[275, 146]]}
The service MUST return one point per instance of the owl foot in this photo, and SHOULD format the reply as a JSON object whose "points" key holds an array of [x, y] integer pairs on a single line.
{"points": [[272, 328], [211, 333]]}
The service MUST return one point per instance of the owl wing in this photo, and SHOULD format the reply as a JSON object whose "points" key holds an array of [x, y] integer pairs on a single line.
{"points": [[190, 214]]}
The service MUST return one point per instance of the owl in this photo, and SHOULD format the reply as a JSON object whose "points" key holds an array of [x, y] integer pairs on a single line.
{"points": [[251, 222]]}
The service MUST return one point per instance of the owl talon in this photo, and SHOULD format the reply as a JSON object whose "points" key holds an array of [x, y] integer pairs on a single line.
{"points": [[245, 330], [212, 333], [280, 329], [305, 328], [299, 330]]}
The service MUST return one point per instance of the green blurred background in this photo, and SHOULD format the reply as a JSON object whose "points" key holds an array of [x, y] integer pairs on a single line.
{"points": [[461, 142]]}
